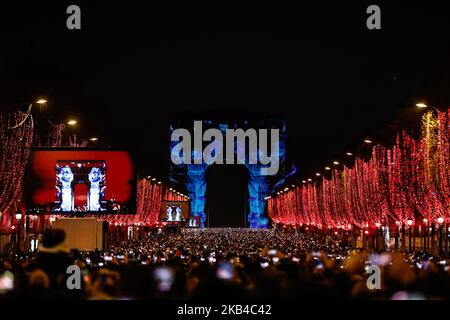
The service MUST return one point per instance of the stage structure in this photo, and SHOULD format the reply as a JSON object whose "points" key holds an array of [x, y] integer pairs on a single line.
{"points": [[192, 175]]}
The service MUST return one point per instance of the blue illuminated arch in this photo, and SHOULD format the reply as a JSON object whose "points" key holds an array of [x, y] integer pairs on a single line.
{"points": [[258, 184]]}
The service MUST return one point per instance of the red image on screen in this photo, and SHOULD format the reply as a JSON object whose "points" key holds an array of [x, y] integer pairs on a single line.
{"points": [[81, 181]]}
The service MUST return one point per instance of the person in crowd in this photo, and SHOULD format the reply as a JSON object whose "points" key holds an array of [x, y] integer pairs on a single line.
{"points": [[220, 264], [48, 270]]}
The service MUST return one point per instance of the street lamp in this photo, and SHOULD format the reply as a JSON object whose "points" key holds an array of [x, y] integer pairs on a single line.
{"points": [[368, 141], [19, 219], [409, 222], [72, 123], [400, 230], [93, 139], [425, 234], [39, 102], [421, 105], [377, 237], [440, 221]]}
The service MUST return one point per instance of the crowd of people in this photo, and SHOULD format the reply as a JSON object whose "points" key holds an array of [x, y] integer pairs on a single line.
{"points": [[221, 264]]}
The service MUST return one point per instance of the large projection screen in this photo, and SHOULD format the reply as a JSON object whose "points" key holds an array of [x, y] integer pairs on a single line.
{"points": [[174, 211], [80, 181]]}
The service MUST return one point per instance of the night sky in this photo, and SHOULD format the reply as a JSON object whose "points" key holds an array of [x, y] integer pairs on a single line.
{"points": [[131, 68]]}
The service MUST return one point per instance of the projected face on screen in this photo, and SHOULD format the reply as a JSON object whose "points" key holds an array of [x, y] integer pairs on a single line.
{"points": [[65, 175], [80, 186], [95, 176], [174, 211], [64, 190], [173, 214], [178, 213], [96, 192], [169, 213]]}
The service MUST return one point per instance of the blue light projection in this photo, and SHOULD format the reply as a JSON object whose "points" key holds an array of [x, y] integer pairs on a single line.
{"points": [[259, 185]]}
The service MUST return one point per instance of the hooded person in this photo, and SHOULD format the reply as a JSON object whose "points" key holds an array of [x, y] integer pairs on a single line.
{"points": [[54, 258]]}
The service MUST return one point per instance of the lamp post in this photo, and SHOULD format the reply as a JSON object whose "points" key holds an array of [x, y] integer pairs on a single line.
{"points": [[366, 239], [403, 236], [425, 234], [19, 220], [40, 103], [440, 221], [433, 242], [377, 238], [409, 222], [397, 235], [72, 123], [422, 105]]}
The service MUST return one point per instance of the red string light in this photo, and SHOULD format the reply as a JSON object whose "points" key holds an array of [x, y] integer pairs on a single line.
{"points": [[15, 144], [149, 198], [409, 180]]}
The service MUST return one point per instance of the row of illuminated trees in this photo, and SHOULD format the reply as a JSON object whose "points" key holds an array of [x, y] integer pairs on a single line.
{"points": [[409, 181]]}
